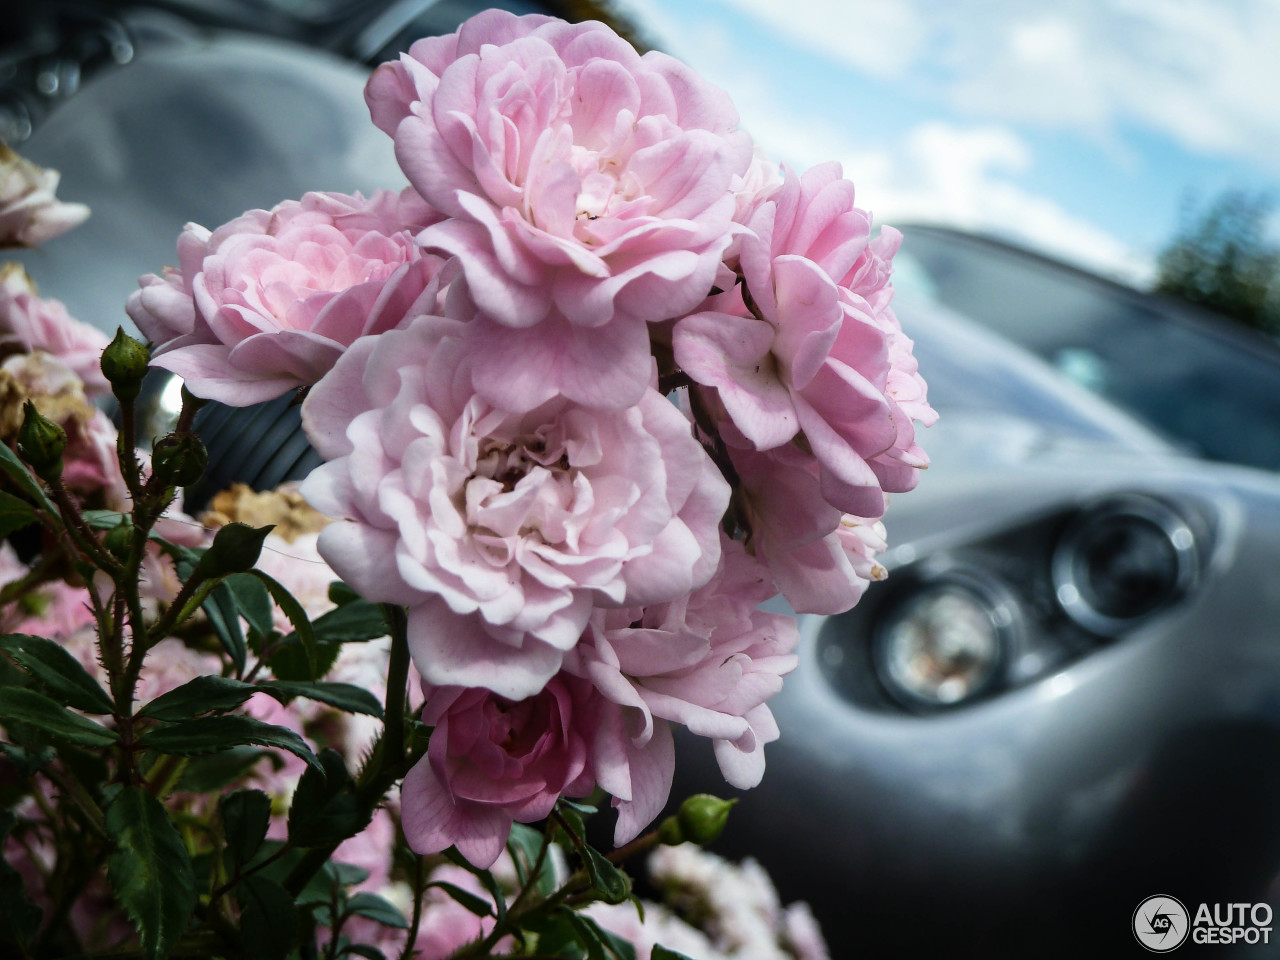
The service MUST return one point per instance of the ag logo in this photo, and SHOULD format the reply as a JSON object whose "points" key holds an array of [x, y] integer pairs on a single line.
{"points": [[1161, 923]]}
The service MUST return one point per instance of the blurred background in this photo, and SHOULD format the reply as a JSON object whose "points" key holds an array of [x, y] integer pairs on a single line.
{"points": [[1066, 696], [1096, 131]]}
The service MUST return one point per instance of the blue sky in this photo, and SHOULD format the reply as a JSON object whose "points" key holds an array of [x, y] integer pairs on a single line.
{"points": [[1078, 127]]}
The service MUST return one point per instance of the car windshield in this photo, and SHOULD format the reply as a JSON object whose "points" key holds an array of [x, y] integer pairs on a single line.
{"points": [[1209, 390]]}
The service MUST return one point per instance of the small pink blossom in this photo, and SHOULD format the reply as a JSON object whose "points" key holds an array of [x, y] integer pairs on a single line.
{"points": [[29, 323], [493, 761], [708, 661], [500, 532], [269, 301], [820, 559], [30, 214], [809, 345], [588, 189]]}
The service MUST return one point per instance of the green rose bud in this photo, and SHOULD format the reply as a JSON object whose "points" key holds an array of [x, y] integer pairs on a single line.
{"points": [[179, 459], [235, 549], [702, 818], [41, 442], [119, 539], [124, 364]]}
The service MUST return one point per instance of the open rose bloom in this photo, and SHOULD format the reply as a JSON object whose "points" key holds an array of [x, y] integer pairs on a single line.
{"points": [[599, 383]]}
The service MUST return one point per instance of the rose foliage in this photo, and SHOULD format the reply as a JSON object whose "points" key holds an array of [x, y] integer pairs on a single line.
{"points": [[599, 383]]}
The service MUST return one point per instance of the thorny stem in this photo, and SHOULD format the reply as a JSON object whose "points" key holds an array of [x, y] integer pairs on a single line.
{"points": [[126, 448], [385, 765], [409, 945], [80, 530]]}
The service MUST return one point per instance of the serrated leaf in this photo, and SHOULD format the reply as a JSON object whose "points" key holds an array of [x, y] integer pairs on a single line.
{"points": [[211, 734], [354, 621], [19, 917], [344, 696], [245, 816], [28, 760], [197, 697], [477, 905], [220, 608], [526, 843], [102, 519], [59, 671], [612, 884], [253, 602], [325, 808], [212, 773], [149, 870], [14, 514], [373, 907], [663, 953], [17, 471], [268, 918], [340, 593], [288, 660], [292, 609], [37, 710]]}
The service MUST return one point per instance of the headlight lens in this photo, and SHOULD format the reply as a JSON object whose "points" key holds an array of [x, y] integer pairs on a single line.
{"points": [[1121, 562], [944, 644]]}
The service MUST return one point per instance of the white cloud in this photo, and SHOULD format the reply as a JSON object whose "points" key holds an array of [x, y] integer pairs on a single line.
{"points": [[1202, 72], [961, 176]]}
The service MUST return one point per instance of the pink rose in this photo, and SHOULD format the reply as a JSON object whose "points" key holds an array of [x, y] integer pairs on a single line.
{"points": [[493, 761], [821, 560], [707, 661], [808, 345], [29, 323], [269, 301], [500, 532], [30, 214], [589, 189]]}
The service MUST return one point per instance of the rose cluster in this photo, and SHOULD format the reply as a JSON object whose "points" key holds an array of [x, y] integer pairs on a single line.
{"points": [[596, 384]]}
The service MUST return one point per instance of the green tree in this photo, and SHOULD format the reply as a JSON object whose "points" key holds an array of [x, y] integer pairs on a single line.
{"points": [[1222, 259]]}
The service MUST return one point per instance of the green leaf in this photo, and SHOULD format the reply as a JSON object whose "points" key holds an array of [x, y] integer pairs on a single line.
{"points": [[525, 843], [14, 514], [354, 621], [59, 671], [150, 870], [268, 918], [28, 760], [220, 608], [373, 907], [325, 808], [27, 706], [477, 905], [292, 609], [253, 602], [245, 815], [364, 950], [612, 884], [196, 697], [663, 953], [597, 940], [344, 696], [18, 473], [340, 593], [19, 917], [211, 734], [212, 773], [288, 660]]}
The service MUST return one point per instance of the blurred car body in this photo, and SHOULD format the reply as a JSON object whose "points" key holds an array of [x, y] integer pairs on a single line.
{"points": [[1065, 698]]}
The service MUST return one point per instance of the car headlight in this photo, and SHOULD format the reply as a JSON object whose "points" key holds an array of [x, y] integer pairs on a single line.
{"points": [[945, 643], [1121, 562]]}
